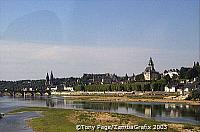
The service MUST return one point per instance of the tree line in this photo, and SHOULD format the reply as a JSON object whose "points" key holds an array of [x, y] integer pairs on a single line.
{"points": [[134, 86]]}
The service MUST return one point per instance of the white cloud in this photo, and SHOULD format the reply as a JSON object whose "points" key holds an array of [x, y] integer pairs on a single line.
{"points": [[32, 61]]}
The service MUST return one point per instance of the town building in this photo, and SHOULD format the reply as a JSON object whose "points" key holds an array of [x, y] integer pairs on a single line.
{"points": [[171, 89], [182, 89], [172, 73], [106, 78], [96, 78], [70, 89]]}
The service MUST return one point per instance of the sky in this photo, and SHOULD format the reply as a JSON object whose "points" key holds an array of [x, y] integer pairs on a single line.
{"points": [[72, 37]]}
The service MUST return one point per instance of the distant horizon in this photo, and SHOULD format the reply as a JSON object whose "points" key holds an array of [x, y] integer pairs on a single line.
{"points": [[129, 75], [75, 37]]}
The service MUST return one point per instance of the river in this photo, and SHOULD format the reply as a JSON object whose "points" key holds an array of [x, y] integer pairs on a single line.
{"points": [[172, 112]]}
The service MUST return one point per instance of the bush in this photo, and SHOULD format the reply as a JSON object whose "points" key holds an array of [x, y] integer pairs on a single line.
{"points": [[195, 95]]}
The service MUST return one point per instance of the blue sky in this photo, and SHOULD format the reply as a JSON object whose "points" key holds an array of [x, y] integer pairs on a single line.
{"points": [[112, 32]]}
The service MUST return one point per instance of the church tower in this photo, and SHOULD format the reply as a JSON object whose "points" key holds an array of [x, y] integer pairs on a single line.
{"points": [[151, 64], [47, 80], [150, 72], [51, 78]]}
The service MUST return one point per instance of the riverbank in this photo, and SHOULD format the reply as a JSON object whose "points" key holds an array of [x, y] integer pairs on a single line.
{"points": [[130, 99], [64, 120], [17, 122]]}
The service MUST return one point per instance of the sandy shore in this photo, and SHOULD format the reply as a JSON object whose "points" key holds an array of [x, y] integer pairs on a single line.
{"points": [[126, 99]]}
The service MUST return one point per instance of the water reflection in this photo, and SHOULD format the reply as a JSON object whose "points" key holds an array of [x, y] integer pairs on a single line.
{"points": [[160, 111], [50, 103]]}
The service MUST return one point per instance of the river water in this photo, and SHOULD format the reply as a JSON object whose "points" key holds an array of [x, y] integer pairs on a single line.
{"points": [[172, 112]]}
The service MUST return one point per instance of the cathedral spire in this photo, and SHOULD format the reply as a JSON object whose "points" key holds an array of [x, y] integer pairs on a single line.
{"points": [[51, 78], [151, 64], [47, 79]]}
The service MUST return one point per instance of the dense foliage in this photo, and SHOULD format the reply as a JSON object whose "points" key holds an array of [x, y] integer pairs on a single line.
{"points": [[35, 84], [190, 73], [195, 95], [136, 86]]}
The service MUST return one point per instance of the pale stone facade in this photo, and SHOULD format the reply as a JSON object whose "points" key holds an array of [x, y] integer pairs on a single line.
{"points": [[150, 72]]}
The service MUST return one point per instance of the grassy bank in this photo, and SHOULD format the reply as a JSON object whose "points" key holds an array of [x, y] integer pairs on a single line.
{"points": [[61, 120]]}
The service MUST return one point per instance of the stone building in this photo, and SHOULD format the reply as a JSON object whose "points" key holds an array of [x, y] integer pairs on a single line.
{"points": [[96, 78], [150, 73]]}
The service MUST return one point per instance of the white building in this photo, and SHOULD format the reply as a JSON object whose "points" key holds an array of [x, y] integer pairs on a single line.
{"points": [[71, 89], [171, 73], [170, 89], [54, 88], [182, 90], [28, 89]]}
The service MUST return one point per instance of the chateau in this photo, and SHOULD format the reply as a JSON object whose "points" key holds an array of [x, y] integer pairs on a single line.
{"points": [[150, 73]]}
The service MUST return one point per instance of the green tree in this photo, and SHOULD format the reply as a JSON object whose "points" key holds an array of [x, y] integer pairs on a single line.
{"points": [[146, 87], [195, 95], [167, 78], [82, 88], [139, 77], [192, 73], [138, 87]]}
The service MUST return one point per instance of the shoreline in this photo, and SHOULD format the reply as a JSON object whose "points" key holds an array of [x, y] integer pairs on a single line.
{"points": [[128, 99], [65, 119]]}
